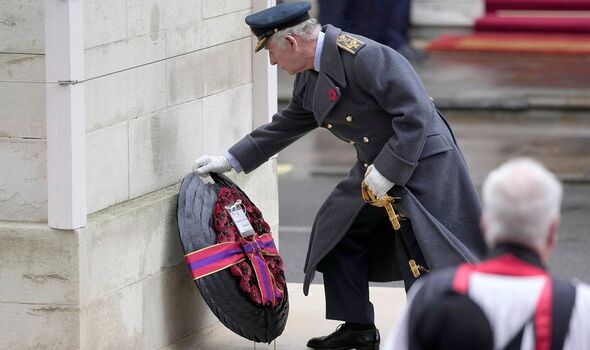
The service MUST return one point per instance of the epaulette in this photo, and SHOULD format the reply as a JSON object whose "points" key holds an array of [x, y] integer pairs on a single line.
{"points": [[349, 44]]}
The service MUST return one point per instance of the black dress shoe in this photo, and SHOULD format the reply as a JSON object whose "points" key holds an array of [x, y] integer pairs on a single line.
{"points": [[344, 338]]}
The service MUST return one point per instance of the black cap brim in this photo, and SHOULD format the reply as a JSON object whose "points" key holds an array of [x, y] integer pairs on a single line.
{"points": [[269, 21]]}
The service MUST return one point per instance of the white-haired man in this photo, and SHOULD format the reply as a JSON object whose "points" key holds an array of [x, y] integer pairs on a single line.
{"points": [[370, 97], [509, 300]]}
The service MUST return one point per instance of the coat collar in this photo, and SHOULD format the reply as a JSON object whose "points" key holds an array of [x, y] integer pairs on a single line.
{"points": [[521, 252], [331, 61]]}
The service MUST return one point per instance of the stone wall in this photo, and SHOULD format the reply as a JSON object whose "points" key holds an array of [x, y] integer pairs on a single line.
{"points": [[23, 192], [184, 71], [165, 82]]}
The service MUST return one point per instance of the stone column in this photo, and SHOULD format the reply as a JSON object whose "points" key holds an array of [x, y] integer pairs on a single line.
{"points": [[264, 78], [66, 151]]}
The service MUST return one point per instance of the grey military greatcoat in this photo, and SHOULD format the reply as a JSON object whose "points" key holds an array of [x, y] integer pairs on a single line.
{"points": [[368, 95]]}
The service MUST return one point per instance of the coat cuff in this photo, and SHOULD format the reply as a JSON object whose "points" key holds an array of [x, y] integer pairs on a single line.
{"points": [[248, 154], [393, 167]]}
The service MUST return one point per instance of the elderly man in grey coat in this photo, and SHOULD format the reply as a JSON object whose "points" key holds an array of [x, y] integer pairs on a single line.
{"points": [[369, 96]]}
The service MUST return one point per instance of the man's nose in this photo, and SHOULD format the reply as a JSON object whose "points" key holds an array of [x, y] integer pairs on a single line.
{"points": [[272, 60]]}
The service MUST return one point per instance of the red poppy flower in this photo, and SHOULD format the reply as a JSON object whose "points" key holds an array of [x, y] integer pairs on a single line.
{"points": [[245, 267], [245, 286], [224, 238], [235, 270], [332, 94], [226, 231], [255, 295], [271, 263]]}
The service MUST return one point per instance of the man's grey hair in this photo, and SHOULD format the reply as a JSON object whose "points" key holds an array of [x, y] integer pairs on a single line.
{"points": [[521, 199], [307, 30]]}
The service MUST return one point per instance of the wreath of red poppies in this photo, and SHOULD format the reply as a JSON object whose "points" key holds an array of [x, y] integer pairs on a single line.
{"points": [[227, 231]]}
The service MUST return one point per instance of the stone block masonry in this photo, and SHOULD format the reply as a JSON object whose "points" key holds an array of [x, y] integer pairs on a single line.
{"points": [[163, 83]]}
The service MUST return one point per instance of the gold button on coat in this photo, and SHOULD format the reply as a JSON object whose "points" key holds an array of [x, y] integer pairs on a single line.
{"points": [[366, 165], [349, 119], [365, 139], [351, 142], [329, 126]]}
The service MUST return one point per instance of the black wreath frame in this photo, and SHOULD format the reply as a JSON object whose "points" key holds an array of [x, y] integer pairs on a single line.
{"points": [[221, 292]]}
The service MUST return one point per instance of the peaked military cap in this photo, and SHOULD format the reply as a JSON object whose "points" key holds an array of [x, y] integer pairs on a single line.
{"points": [[269, 21]]}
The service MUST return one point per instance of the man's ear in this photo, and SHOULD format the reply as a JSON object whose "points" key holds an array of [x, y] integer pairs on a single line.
{"points": [[547, 248], [552, 235], [291, 41]]}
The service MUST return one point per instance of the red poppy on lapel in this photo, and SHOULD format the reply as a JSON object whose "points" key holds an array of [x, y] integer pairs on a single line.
{"points": [[332, 94]]}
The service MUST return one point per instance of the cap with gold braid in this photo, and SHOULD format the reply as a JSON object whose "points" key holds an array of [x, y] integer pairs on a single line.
{"points": [[269, 21]]}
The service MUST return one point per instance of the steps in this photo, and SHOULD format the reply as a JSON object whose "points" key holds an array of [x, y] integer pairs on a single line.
{"points": [[538, 5], [535, 16], [522, 24], [509, 42], [552, 27]]}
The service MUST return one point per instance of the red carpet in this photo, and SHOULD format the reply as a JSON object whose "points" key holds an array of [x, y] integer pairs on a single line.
{"points": [[526, 26], [545, 16], [547, 5], [494, 23], [514, 43]]}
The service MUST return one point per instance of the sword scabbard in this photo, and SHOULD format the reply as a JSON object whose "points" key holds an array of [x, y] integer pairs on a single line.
{"points": [[393, 217], [414, 268], [387, 202]]}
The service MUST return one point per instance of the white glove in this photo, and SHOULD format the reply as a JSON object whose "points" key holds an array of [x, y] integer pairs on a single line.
{"points": [[377, 183], [211, 164]]}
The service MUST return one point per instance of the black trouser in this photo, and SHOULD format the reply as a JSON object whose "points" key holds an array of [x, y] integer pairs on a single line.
{"points": [[346, 268]]}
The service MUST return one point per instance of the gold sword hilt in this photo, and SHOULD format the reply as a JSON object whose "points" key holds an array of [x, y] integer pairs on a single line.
{"points": [[384, 201]]}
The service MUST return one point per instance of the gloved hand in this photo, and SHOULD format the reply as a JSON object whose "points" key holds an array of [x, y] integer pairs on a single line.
{"points": [[377, 183], [211, 164]]}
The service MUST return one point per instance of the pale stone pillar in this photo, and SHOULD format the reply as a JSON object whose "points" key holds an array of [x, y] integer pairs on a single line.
{"points": [[264, 78], [66, 151], [264, 106]]}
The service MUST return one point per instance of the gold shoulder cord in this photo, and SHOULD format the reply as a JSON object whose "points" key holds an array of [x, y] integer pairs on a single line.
{"points": [[387, 202]]}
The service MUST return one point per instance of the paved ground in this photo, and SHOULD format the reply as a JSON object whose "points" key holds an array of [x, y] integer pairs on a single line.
{"points": [[306, 320]]}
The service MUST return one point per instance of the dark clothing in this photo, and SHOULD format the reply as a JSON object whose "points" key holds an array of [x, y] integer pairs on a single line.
{"points": [[434, 333], [373, 99], [385, 21], [443, 309], [521, 252], [346, 268]]}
